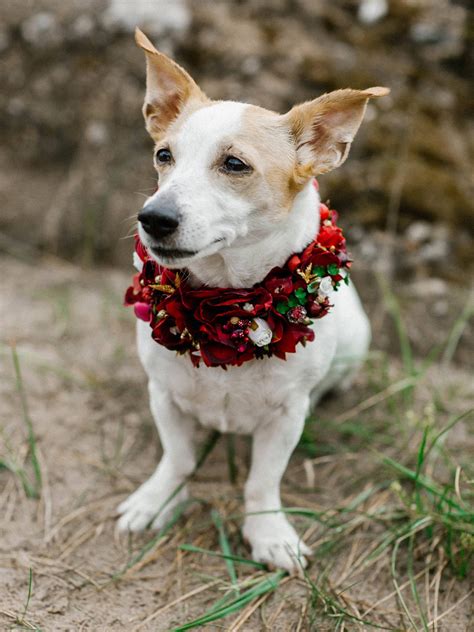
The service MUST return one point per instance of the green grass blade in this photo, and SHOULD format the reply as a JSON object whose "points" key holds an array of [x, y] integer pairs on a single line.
{"points": [[447, 428], [393, 567], [29, 489], [331, 604], [29, 425], [30, 592], [424, 481], [413, 586], [268, 584], [419, 465], [457, 331], [235, 558], [226, 550]]}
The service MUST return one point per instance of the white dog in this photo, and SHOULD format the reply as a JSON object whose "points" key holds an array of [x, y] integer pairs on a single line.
{"points": [[235, 199]]}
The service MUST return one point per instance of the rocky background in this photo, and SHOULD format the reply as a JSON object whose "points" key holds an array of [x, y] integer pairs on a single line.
{"points": [[76, 162]]}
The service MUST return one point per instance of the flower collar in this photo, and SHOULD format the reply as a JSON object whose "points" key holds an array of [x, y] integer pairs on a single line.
{"points": [[226, 326]]}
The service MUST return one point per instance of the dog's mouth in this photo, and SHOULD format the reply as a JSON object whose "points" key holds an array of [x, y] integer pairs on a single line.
{"points": [[172, 253]]}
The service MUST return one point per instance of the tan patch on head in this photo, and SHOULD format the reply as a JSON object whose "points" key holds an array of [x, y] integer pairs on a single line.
{"points": [[266, 139], [300, 176]]}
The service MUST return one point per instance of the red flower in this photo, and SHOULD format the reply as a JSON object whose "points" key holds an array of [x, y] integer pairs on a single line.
{"points": [[323, 212], [276, 284], [229, 303]]}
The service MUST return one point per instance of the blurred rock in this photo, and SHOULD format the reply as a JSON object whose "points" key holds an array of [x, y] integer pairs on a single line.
{"points": [[42, 30], [440, 308], [419, 232], [437, 249], [82, 26], [371, 11], [4, 39], [96, 133], [439, 25], [157, 17], [425, 288]]}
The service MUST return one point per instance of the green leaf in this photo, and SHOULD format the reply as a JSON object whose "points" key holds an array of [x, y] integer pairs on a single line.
{"points": [[301, 295], [320, 271], [282, 308], [333, 268], [346, 278], [292, 301], [313, 286]]}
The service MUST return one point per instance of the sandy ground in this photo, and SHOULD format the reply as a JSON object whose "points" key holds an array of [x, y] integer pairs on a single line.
{"points": [[86, 396]]}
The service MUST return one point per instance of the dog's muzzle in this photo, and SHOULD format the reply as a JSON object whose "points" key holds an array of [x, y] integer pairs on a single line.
{"points": [[160, 218]]}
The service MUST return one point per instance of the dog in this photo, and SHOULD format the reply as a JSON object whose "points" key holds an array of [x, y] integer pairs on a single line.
{"points": [[236, 198]]}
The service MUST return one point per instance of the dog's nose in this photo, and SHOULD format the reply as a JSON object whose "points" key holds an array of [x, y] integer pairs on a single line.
{"points": [[158, 220]]}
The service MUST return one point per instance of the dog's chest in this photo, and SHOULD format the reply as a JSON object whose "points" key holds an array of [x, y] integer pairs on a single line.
{"points": [[237, 400], [240, 398]]}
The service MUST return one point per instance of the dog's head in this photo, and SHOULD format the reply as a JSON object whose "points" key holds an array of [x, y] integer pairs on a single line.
{"points": [[228, 172]]}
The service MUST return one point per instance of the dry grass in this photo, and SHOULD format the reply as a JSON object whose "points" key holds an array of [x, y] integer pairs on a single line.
{"points": [[381, 486]]}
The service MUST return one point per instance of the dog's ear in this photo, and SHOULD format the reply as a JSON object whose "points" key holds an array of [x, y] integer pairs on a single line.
{"points": [[324, 129], [168, 88]]}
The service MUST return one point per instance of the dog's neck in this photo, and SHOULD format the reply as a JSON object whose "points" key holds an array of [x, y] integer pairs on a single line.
{"points": [[244, 265]]}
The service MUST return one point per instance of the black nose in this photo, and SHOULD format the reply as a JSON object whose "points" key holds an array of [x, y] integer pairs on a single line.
{"points": [[159, 221]]}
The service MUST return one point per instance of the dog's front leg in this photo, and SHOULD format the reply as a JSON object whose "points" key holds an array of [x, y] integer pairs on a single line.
{"points": [[272, 538], [152, 504]]}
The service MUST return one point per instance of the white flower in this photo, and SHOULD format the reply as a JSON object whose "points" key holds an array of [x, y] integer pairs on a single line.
{"points": [[248, 307], [326, 287], [260, 333], [137, 262]]}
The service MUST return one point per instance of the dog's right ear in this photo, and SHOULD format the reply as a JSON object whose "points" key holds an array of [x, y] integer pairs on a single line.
{"points": [[323, 129], [168, 88]]}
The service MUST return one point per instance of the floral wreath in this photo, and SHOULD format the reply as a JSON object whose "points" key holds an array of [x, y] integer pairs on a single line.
{"points": [[226, 326]]}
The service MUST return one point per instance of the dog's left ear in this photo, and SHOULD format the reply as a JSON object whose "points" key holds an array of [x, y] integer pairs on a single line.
{"points": [[324, 129], [168, 88]]}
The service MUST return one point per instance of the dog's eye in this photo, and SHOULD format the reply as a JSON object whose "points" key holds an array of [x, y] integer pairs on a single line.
{"points": [[163, 156], [235, 165]]}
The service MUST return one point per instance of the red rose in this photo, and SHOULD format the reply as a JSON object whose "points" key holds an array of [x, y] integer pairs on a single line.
{"points": [[229, 303], [278, 285]]}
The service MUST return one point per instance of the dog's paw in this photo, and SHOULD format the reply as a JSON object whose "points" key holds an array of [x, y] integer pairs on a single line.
{"points": [[275, 543], [147, 507]]}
